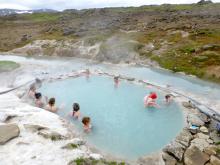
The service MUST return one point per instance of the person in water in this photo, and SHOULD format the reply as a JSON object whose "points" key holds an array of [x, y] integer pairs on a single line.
{"points": [[38, 100], [116, 81], [150, 100], [86, 124], [76, 111], [168, 99], [51, 105], [32, 91]]}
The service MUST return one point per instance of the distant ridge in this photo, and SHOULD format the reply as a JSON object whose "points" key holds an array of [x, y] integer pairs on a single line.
{"points": [[5, 12]]}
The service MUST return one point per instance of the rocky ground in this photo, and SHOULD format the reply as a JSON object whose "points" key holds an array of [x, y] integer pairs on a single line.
{"points": [[182, 38]]}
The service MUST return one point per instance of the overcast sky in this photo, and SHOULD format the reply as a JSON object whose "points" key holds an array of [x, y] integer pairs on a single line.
{"points": [[81, 4]]}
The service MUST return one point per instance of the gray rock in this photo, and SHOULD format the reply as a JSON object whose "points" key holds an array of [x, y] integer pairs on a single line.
{"points": [[194, 120], [8, 132], [214, 136], [176, 149], [193, 156], [200, 143], [214, 160], [188, 105], [153, 159], [168, 159], [34, 128], [211, 150], [184, 137], [51, 135]]}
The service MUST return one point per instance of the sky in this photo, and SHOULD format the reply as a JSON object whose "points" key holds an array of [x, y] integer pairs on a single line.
{"points": [[82, 4]]}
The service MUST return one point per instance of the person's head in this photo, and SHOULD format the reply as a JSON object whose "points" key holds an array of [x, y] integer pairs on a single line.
{"points": [[76, 107], [86, 120], [51, 101], [38, 95]]}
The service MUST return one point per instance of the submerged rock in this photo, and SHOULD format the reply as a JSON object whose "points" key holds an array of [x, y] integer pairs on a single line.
{"points": [[8, 132], [193, 156]]}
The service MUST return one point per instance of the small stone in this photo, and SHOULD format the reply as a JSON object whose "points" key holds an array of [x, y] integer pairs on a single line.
{"points": [[193, 156], [8, 132], [214, 160], [204, 129], [210, 150]]}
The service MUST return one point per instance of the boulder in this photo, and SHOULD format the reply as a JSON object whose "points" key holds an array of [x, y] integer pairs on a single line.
{"points": [[176, 149], [34, 127], [8, 132], [203, 117], [184, 137], [204, 129], [188, 105], [51, 135], [214, 160], [194, 120], [214, 136], [193, 156], [200, 143], [168, 159], [152, 159], [211, 150]]}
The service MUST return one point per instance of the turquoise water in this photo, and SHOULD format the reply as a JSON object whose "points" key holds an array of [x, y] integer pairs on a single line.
{"points": [[122, 126]]}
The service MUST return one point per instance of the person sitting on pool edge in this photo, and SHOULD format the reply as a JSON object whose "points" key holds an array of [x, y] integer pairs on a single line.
{"points": [[86, 124], [38, 100], [116, 81], [150, 100], [76, 111], [51, 105]]}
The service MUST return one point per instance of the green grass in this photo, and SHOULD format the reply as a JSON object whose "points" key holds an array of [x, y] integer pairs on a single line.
{"points": [[86, 161], [6, 66], [41, 17]]}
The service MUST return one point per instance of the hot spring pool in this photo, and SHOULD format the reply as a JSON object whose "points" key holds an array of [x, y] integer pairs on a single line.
{"points": [[122, 126]]}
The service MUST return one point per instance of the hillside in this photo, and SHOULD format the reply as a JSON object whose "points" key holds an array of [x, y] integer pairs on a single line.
{"points": [[182, 38]]}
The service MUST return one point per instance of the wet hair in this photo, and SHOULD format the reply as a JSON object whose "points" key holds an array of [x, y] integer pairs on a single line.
{"points": [[51, 101], [76, 107], [38, 95], [85, 120]]}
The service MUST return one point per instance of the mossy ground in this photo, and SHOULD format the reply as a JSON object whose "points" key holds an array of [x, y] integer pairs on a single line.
{"points": [[88, 161], [6, 66]]}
